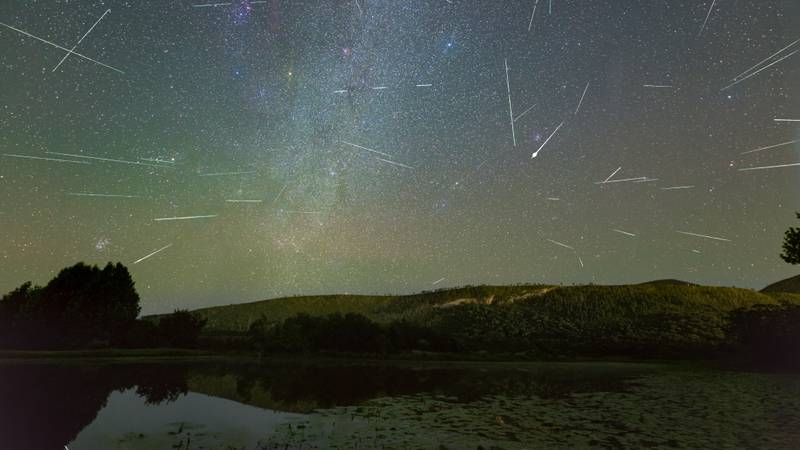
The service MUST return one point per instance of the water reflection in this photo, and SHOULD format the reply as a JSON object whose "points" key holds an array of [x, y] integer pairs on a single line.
{"points": [[306, 388], [192, 421], [45, 406]]}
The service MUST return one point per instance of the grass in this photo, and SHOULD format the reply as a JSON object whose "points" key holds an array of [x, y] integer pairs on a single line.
{"points": [[382, 308], [662, 318], [580, 305], [652, 320]]}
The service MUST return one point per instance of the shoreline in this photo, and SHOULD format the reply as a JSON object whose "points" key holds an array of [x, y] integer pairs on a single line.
{"points": [[205, 356], [461, 360]]}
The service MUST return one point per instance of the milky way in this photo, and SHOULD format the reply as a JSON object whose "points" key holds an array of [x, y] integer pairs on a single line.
{"points": [[243, 150]]}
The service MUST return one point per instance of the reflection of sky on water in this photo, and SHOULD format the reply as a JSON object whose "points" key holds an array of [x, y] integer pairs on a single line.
{"points": [[127, 422]]}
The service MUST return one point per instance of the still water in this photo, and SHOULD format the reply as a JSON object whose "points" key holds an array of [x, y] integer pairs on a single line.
{"points": [[84, 405]]}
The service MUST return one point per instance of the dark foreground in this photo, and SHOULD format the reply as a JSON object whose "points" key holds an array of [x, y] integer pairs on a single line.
{"points": [[139, 404]]}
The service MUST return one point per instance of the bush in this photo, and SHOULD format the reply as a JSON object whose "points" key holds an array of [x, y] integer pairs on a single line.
{"points": [[141, 334], [342, 333], [180, 329], [769, 334]]}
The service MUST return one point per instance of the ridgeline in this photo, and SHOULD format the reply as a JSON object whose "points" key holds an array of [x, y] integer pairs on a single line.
{"points": [[585, 304], [657, 319], [791, 285]]}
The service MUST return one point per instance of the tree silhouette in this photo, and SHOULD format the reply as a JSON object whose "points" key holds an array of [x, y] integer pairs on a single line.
{"points": [[17, 318], [90, 303], [180, 329], [81, 305], [12, 303], [791, 245]]}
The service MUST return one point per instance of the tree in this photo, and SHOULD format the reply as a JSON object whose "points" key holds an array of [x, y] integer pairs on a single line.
{"points": [[81, 305], [12, 303], [791, 245], [88, 303], [17, 323], [142, 333], [180, 329]]}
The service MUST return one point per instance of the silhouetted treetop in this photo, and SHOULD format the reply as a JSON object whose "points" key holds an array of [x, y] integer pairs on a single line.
{"points": [[791, 245], [180, 329], [81, 304]]}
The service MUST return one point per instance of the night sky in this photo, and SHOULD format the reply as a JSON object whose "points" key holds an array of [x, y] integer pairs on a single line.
{"points": [[366, 147]]}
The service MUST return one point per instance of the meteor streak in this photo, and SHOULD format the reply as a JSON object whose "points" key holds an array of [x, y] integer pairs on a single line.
{"points": [[244, 201], [772, 146], [530, 24], [118, 161], [83, 194], [582, 96], [211, 5], [223, 174], [524, 112], [536, 153], [510, 110], [759, 70], [279, 193], [165, 219], [45, 159], [62, 48], [673, 188], [80, 40], [561, 244], [365, 148], [704, 236], [769, 167], [394, 162], [637, 179], [764, 60], [156, 160], [288, 211], [152, 254], [612, 175], [707, 16]]}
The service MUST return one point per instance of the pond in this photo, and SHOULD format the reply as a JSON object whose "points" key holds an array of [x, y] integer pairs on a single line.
{"points": [[361, 405]]}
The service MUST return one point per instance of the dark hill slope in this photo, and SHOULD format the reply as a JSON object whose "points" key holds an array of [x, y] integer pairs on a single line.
{"points": [[791, 285], [668, 282], [629, 319], [523, 311], [381, 308]]}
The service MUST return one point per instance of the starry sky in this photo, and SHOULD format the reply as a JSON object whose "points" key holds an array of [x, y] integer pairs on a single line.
{"points": [[336, 146]]}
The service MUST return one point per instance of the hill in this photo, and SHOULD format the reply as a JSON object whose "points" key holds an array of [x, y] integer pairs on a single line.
{"points": [[668, 282], [791, 285], [648, 319], [382, 308], [655, 320], [484, 312]]}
